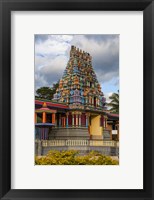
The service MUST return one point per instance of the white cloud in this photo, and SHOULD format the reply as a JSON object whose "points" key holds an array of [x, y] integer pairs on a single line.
{"points": [[107, 95], [53, 45], [52, 54]]}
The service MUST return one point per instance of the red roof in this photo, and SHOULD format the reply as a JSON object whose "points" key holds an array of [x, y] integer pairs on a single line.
{"points": [[45, 110], [113, 115], [52, 104]]}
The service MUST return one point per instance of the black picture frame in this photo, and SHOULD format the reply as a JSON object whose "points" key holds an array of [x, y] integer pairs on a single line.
{"points": [[6, 6]]}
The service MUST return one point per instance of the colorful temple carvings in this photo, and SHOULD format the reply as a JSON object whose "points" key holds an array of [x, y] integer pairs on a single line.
{"points": [[79, 87], [77, 113], [79, 91]]}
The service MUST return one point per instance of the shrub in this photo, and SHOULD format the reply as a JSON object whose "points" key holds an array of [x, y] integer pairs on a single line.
{"points": [[73, 157]]}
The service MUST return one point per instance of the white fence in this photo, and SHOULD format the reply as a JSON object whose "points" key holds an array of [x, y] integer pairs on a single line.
{"points": [[46, 143]]}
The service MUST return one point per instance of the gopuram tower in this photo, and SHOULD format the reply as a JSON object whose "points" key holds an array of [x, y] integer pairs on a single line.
{"points": [[79, 87], [81, 91]]}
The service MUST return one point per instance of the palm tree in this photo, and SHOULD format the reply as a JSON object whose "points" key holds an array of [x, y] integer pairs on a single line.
{"points": [[114, 103]]}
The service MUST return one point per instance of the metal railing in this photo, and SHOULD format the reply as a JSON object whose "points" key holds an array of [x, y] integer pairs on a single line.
{"points": [[46, 143]]}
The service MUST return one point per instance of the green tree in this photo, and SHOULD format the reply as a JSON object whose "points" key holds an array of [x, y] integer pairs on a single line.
{"points": [[54, 87], [47, 92], [114, 103]]}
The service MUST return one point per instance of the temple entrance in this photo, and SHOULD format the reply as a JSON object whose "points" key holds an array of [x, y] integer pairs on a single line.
{"points": [[48, 118]]}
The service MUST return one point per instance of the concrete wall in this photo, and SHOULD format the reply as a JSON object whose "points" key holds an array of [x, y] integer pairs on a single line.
{"points": [[108, 151], [105, 150], [95, 128]]}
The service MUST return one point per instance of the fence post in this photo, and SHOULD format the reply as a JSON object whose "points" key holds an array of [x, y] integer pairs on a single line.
{"points": [[39, 148]]}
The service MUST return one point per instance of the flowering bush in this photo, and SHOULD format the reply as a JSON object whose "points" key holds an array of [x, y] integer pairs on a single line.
{"points": [[73, 157]]}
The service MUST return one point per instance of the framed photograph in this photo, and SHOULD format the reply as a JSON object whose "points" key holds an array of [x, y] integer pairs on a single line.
{"points": [[76, 99], [74, 123]]}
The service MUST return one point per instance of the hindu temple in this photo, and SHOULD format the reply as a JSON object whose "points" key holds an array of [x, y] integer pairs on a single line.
{"points": [[77, 113]]}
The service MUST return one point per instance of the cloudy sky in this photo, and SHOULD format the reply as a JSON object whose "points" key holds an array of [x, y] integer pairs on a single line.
{"points": [[52, 54]]}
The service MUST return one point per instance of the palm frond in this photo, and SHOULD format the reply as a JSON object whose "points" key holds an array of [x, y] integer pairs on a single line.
{"points": [[114, 103]]}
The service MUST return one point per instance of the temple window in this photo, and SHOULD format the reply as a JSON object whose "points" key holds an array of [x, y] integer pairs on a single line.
{"points": [[95, 101]]}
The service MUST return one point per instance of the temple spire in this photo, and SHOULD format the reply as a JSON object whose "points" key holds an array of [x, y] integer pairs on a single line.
{"points": [[79, 84]]}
